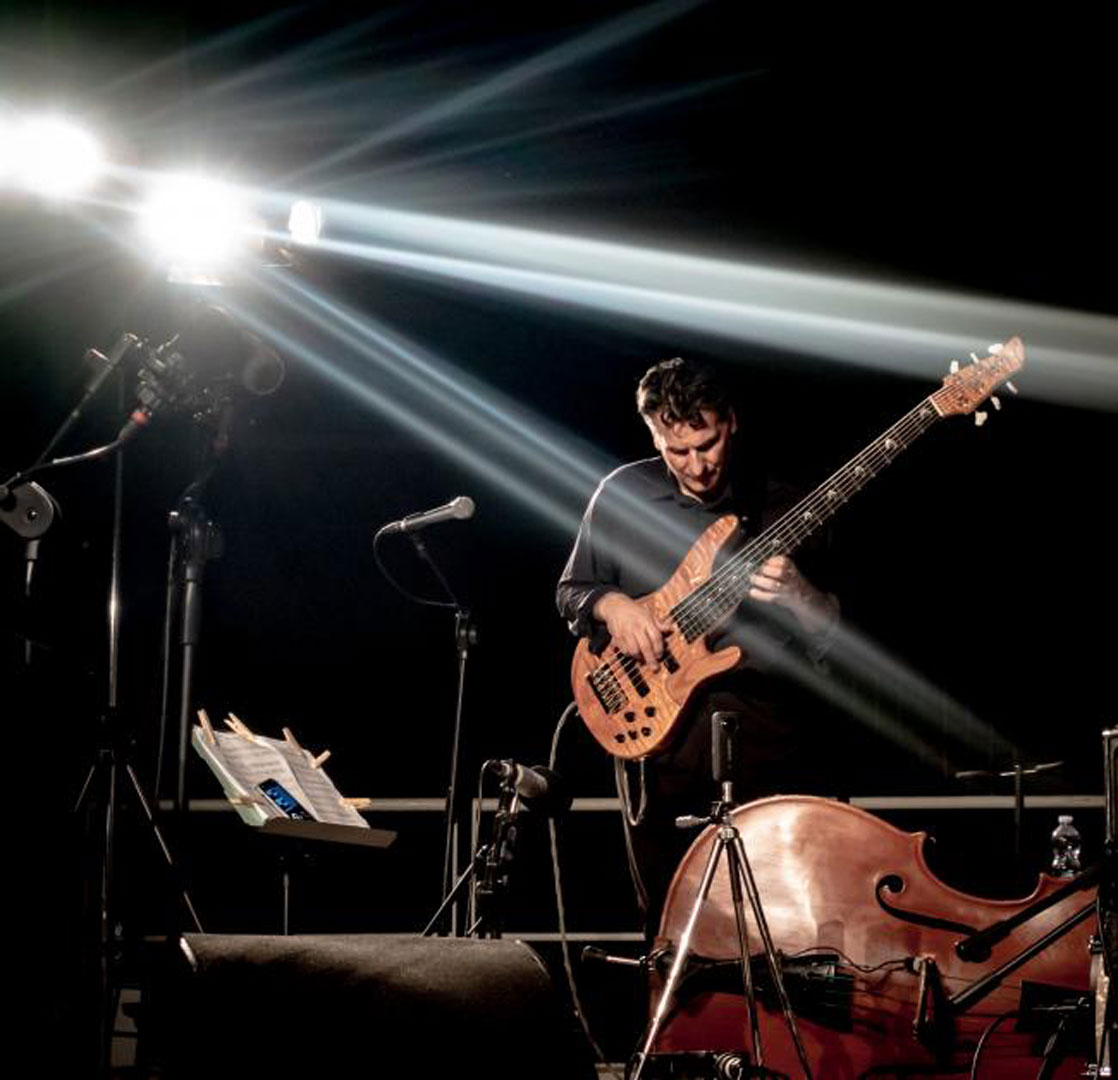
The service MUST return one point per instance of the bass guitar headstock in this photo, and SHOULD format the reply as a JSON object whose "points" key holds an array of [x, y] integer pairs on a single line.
{"points": [[967, 388]]}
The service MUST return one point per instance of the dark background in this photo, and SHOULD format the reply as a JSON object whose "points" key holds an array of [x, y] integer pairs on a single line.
{"points": [[934, 153]]}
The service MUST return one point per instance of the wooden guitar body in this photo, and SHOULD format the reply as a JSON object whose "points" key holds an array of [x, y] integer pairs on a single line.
{"points": [[631, 709]]}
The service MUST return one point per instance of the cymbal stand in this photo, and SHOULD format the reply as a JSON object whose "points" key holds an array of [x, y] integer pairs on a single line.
{"points": [[727, 843]]}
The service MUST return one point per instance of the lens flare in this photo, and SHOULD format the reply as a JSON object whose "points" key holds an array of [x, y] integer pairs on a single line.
{"points": [[51, 156], [197, 222], [305, 222]]}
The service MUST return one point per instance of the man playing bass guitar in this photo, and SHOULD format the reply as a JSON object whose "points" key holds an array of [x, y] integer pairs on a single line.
{"points": [[641, 522]]}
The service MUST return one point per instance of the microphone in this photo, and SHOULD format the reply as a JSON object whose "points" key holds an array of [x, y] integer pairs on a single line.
{"points": [[538, 786], [458, 509]]}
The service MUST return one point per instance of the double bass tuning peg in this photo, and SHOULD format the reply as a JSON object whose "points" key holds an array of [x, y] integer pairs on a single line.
{"points": [[980, 418]]}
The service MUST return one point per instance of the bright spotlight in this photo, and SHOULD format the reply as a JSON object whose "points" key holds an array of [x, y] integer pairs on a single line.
{"points": [[197, 225], [305, 222], [7, 134], [51, 156]]}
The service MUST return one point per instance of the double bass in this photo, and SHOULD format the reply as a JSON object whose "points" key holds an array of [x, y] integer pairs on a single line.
{"points": [[868, 939]]}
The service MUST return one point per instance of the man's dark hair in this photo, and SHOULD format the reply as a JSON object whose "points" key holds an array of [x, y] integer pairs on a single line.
{"points": [[679, 391]]}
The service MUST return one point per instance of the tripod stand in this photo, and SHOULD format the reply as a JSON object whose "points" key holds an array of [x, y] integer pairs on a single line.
{"points": [[728, 844], [111, 770]]}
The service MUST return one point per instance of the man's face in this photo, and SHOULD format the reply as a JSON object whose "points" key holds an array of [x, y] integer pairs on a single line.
{"points": [[698, 457]]}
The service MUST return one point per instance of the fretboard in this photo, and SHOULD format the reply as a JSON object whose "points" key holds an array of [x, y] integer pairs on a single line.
{"points": [[705, 608]]}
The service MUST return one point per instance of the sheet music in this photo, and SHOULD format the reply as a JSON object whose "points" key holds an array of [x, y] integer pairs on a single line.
{"points": [[322, 797], [255, 761], [242, 764]]}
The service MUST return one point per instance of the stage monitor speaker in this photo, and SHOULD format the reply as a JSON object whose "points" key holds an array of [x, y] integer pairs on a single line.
{"points": [[361, 1006]]}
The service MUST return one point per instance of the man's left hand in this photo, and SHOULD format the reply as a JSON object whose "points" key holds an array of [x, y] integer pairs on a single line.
{"points": [[779, 581]]}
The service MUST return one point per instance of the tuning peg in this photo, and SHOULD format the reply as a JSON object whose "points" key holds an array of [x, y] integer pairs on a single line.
{"points": [[995, 401], [996, 348], [1010, 387], [954, 367], [973, 358], [980, 418]]}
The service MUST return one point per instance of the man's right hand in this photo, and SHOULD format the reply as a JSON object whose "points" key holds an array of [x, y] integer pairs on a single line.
{"points": [[635, 630]]}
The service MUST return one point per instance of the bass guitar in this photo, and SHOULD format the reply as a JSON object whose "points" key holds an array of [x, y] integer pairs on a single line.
{"points": [[634, 711]]}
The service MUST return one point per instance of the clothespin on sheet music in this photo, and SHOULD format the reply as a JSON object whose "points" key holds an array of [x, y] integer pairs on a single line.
{"points": [[239, 727], [314, 762], [358, 803], [207, 729], [252, 799]]}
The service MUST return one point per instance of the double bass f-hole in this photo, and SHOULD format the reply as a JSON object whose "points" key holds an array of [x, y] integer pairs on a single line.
{"points": [[894, 883]]}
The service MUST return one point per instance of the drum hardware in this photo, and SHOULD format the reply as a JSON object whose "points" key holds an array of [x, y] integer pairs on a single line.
{"points": [[725, 728]]}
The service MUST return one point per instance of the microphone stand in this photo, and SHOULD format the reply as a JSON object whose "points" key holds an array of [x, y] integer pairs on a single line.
{"points": [[489, 869], [198, 540], [29, 510], [102, 784], [465, 636], [1017, 774], [490, 891]]}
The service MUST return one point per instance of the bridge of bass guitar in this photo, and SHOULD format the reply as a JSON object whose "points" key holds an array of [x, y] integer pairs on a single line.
{"points": [[633, 710]]}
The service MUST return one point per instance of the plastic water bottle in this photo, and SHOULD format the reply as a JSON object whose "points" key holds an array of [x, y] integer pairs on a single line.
{"points": [[1065, 848]]}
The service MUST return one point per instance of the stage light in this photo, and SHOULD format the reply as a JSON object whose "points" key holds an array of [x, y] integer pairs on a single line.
{"points": [[198, 225], [51, 156], [7, 132], [305, 222]]}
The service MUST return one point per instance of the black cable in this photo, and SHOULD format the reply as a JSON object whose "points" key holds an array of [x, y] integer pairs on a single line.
{"points": [[57, 463], [989, 1030], [564, 944], [395, 584], [165, 692]]}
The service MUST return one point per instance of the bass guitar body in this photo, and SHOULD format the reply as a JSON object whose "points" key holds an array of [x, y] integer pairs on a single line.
{"points": [[632, 710]]}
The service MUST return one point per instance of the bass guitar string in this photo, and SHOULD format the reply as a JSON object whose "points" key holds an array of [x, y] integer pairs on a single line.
{"points": [[799, 522], [796, 524], [721, 593], [953, 398]]}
